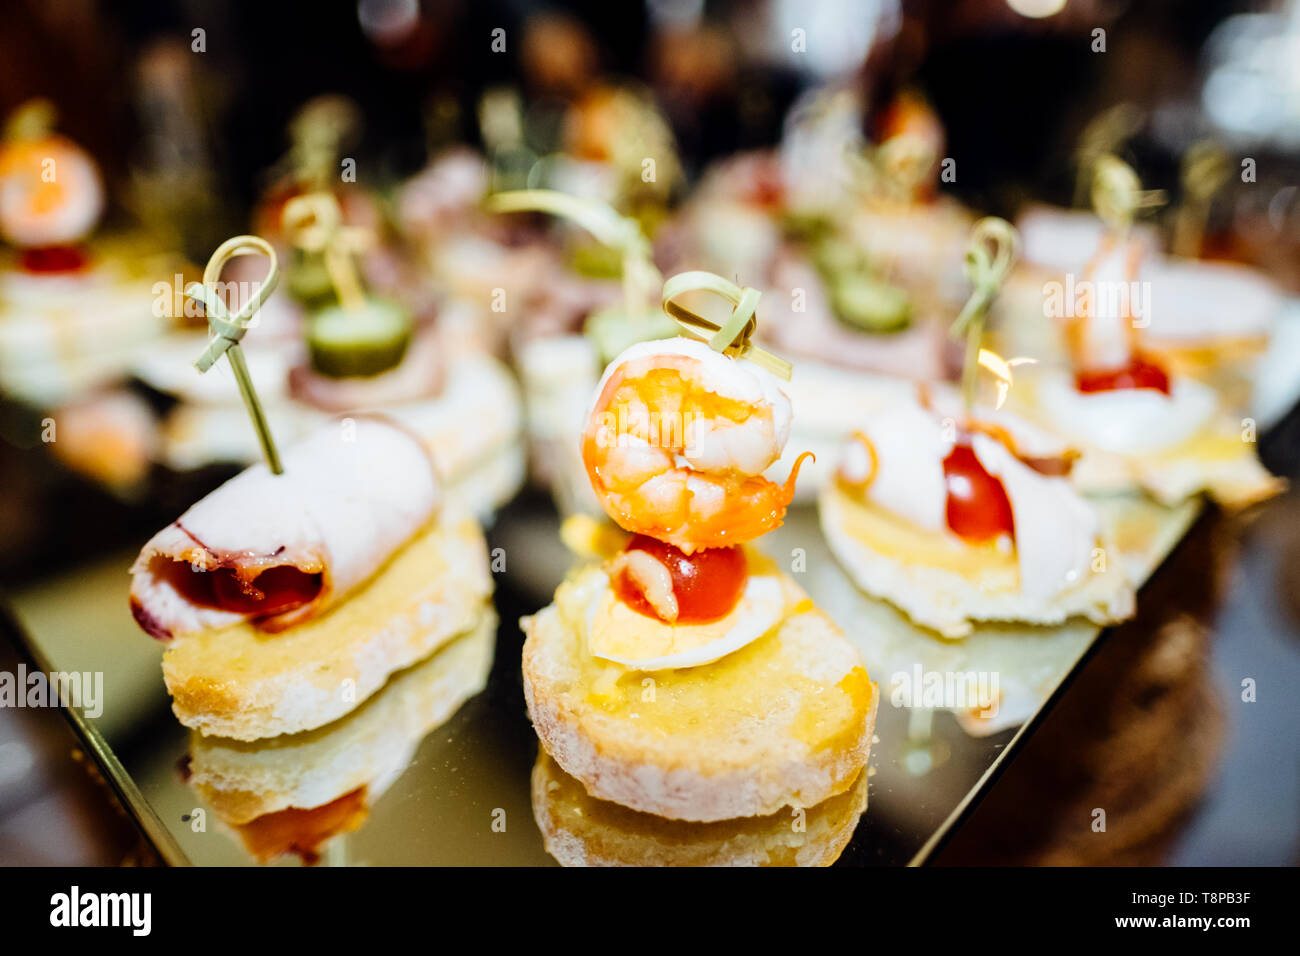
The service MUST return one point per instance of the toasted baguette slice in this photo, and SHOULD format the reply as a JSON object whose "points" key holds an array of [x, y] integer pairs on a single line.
{"points": [[951, 603], [784, 721], [582, 831], [243, 683], [369, 748]]}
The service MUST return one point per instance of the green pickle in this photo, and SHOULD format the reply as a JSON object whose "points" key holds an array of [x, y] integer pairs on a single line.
{"points": [[858, 297], [867, 303], [366, 342], [309, 280]]}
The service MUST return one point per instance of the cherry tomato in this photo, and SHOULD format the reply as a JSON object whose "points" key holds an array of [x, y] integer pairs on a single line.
{"points": [[1139, 373], [978, 507], [707, 584], [47, 259]]}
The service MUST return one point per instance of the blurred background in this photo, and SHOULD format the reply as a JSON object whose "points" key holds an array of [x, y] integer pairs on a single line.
{"points": [[187, 108]]}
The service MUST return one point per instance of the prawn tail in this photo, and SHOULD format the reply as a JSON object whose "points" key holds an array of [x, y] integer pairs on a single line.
{"points": [[787, 489]]}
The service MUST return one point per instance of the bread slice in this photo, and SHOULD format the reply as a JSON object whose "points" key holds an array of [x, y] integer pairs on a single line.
{"points": [[950, 603], [784, 721], [243, 683], [370, 747], [580, 830]]}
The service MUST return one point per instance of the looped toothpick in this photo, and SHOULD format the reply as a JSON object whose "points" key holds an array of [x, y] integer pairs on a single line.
{"points": [[1117, 194], [986, 269], [619, 232], [905, 160], [896, 168], [1205, 168], [1105, 134], [228, 328], [733, 337], [314, 222], [989, 258]]}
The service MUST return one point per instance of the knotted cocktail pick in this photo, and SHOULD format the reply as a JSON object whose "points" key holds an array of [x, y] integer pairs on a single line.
{"points": [[228, 329], [619, 232], [314, 223], [1205, 169], [989, 257], [735, 336], [1118, 196], [1103, 135]]}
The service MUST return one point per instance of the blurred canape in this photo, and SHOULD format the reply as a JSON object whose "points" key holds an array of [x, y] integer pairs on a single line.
{"points": [[1137, 419], [862, 306], [73, 313], [364, 328], [1208, 320]]}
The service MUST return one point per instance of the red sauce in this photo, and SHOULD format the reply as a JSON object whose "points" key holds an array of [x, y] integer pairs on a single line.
{"points": [[707, 584], [47, 259], [303, 832], [1139, 373], [274, 591], [978, 506]]}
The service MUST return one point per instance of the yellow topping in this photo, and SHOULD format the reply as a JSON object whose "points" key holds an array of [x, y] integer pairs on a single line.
{"points": [[900, 540], [1214, 446], [763, 680]]}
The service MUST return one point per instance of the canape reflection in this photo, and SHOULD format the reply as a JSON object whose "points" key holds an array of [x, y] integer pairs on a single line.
{"points": [[294, 793], [581, 830]]}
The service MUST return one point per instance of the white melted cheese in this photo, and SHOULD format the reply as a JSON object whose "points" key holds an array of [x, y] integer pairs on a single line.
{"points": [[1127, 420]]}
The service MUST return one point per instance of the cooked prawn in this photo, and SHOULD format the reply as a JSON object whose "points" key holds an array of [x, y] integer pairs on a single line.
{"points": [[677, 440]]}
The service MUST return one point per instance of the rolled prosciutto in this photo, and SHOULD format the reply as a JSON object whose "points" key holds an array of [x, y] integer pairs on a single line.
{"points": [[280, 549]]}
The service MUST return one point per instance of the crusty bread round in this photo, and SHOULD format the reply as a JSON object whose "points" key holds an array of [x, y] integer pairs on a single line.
{"points": [[580, 830], [240, 682], [947, 602], [784, 721]]}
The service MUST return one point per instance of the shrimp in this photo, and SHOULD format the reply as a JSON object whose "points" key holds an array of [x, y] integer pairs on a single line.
{"points": [[676, 442]]}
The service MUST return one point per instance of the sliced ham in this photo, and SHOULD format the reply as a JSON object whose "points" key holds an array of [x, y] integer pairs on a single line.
{"points": [[1056, 530], [280, 549]]}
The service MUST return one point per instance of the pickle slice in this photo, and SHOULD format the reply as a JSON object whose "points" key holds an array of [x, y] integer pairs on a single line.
{"points": [[309, 280], [869, 304], [362, 343]]}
